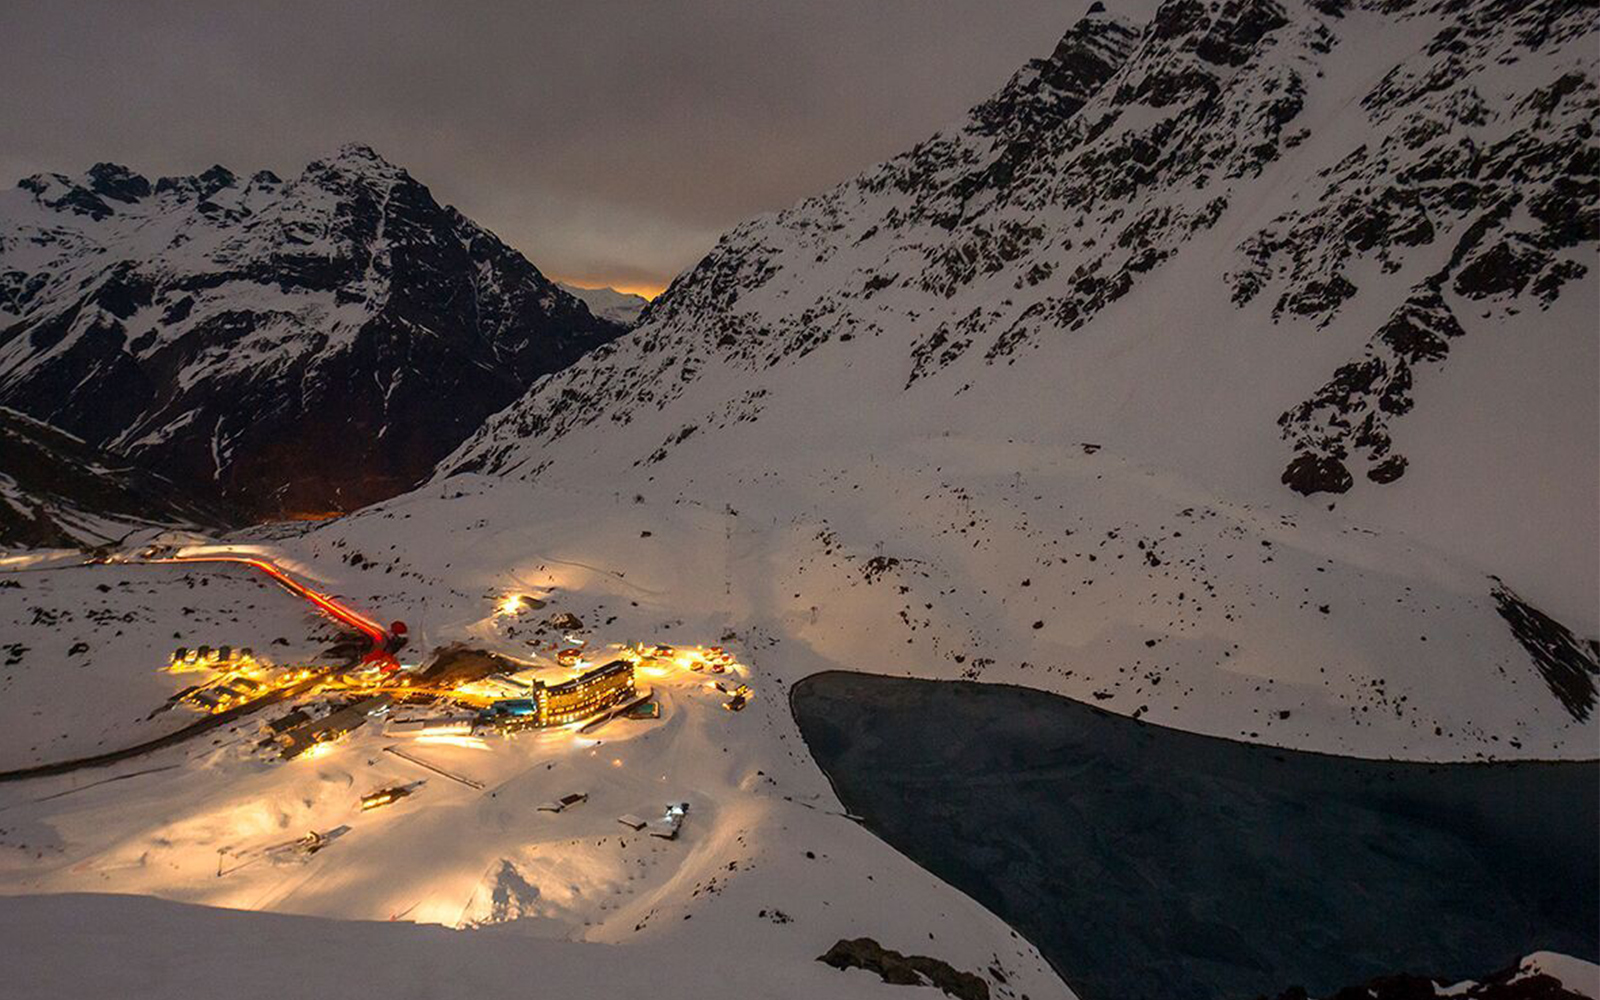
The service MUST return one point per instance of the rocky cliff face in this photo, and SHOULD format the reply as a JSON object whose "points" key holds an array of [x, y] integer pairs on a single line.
{"points": [[290, 346]]}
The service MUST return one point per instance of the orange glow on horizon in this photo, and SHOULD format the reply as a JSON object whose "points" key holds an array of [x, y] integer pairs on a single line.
{"points": [[643, 291]]}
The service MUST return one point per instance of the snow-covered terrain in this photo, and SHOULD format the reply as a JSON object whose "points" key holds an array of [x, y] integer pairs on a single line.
{"points": [[83, 648], [1008, 384], [220, 329], [1245, 239], [766, 875], [56, 489], [608, 303], [1038, 402]]}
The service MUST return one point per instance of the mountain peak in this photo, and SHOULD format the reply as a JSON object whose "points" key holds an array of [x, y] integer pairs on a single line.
{"points": [[115, 181], [359, 152], [178, 277], [608, 303], [199, 186], [357, 161], [358, 157]]}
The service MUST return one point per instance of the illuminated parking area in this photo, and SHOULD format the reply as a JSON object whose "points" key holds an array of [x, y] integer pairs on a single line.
{"points": [[464, 697], [232, 676]]}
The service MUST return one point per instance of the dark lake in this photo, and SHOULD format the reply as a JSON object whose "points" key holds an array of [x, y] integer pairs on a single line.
{"points": [[1149, 862]]}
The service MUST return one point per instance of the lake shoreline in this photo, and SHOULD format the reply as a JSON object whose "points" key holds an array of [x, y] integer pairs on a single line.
{"points": [[1383, 865]]}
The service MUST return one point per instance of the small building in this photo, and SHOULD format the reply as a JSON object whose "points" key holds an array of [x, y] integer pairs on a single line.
{"points": [[207, 699], [288, 721], [436, 726], [565, 802], [671, 822], [332, 726]]}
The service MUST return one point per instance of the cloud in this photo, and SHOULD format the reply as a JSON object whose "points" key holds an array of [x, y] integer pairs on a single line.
{"points": [[608, 140]]}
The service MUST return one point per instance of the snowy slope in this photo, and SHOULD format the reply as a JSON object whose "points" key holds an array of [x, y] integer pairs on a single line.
{"points": [[765, 877], [1248, 238], [144, 946], [904, 368], [301, 345], [56, 490], [82, 649], [610, 304]]}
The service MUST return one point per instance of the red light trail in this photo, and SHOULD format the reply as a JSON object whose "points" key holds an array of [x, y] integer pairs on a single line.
{"points": [[380, 636]]}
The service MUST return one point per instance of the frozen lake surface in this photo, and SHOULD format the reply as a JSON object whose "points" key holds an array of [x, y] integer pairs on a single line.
{"points": [[1150, 862]]}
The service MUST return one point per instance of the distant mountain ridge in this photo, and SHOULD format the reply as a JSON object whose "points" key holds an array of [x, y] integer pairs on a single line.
{"points": [[306, 345], [608, 303]]}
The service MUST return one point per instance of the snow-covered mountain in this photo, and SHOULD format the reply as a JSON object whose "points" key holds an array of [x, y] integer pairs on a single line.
{"points": [[301, 345], [608, 303], [1016, 406], [56, 490], [1232, 334]]}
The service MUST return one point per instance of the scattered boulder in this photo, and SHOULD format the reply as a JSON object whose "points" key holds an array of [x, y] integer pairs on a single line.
{"points": [[1309, 474], [566, 621], [905, 970], [1388, 470]]}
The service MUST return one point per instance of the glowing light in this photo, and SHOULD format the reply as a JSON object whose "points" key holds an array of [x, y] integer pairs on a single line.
{"points": [[317, 750], [446, 739], [510, 604], [645, 291], [17, 562]]}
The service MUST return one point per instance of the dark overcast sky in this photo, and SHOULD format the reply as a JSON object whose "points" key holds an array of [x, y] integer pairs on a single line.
{"points": [[610, 141]]}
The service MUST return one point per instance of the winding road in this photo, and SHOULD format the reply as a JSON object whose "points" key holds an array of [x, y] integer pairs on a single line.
{"points": [[382, 638], [382, 652]]}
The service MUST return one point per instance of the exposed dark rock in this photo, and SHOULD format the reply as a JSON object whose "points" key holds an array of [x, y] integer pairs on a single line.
{"points": [[1568, 664], [1388, 470], [1239, 26], [459, 664], [1352, 412], [1505, 268], [1508, 984], [877, 566], [111, 180], [905, 970], [1309, 474]]}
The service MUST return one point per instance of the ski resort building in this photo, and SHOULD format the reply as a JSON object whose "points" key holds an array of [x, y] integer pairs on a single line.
{"points": [[569, 701], [330, 727]]}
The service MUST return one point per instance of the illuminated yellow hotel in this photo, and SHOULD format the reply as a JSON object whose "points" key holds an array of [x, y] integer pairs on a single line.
{"points": [[570, 701]]}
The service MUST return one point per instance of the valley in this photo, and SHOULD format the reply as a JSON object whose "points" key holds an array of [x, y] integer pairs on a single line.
{"points": [[1136, 541]]}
